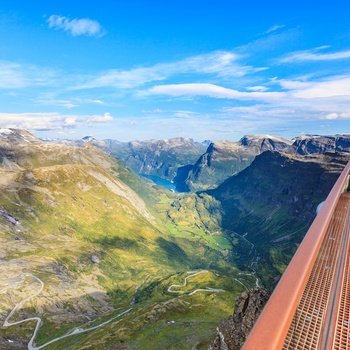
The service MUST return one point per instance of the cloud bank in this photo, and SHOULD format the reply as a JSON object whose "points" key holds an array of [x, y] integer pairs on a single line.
{"points": [[50, 121]]}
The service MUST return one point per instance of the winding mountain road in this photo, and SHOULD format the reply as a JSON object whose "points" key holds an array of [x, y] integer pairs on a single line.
{"points": [[213, 290], [76, 331], [38, 319], [254, 260], [241, 283]]}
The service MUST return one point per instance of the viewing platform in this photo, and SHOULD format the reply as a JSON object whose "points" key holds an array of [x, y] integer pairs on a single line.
{"points": [[310, 307]]}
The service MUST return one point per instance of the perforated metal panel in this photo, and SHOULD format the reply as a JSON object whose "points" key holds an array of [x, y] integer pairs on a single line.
{"points": [[342, 330], [312, 315]]}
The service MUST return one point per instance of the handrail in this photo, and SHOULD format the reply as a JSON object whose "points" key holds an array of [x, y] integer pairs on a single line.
{"points": [[273, 324]]}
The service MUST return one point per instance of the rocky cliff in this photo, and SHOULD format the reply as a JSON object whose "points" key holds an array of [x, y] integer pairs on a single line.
{"points": [[226, 158], [309, 144], [232, 333]]}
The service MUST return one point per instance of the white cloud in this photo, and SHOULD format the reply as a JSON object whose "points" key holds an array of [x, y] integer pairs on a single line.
{"points": [[274, 28], [70, 121], [11, 76], [124, 79], [325, 100], [49, 121], [158, 110], [14, 75], [257, 88], [224, 64], [330, 87], [69, 105], [28, 120], [82, 26], [332, 116], [265, 112], [212, 90], [314, 55], [100, 118], [130, 122], [185, 114], [96, 101], [220, 63], [51, 99]]}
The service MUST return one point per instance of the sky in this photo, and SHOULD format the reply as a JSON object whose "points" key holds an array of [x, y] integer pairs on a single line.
{"points": [[139, 70]]}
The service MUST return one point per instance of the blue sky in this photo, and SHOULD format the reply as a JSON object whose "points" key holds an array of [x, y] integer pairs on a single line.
{"points": [[205, 69]]}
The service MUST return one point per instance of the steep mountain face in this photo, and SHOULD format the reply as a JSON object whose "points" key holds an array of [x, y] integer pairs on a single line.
{"points": [[11, 157], [160, 158], [319, 144], [232, 332], [272, 203], [21, 150], [14, 136], [225, 158]]}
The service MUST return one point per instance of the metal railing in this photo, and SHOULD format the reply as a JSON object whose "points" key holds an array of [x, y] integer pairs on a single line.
{"points": [[272, 326]]}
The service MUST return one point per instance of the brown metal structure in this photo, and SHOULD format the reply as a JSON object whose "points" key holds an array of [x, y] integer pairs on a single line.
{"points": [[310, 307]]}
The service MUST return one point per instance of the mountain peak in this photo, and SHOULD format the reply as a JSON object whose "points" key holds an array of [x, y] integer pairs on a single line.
{"points": [[16, 136], [258, 138], [88, 138]]}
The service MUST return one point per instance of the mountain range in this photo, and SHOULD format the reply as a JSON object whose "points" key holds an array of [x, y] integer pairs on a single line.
{"points": [[197, 166]]}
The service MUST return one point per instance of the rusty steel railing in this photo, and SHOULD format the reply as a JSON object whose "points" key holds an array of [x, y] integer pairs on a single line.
{"points": [[272, 326]]}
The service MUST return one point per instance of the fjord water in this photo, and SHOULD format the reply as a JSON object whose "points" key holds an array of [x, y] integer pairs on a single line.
{"points": [[161, 182]]}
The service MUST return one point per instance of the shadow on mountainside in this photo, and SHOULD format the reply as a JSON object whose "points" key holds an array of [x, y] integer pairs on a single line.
{"points": [[273, 202]]}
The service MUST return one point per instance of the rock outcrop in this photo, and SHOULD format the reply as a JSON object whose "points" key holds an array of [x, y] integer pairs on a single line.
{"points": [[232, 333]]}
